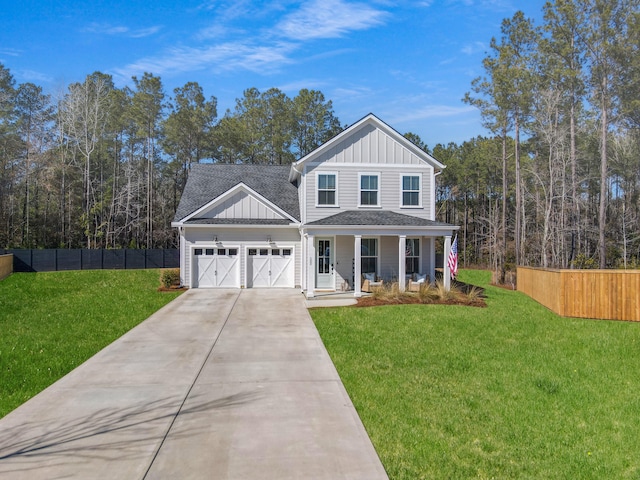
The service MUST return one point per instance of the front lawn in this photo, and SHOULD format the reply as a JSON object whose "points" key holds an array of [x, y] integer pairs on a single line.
{"points": [[52, 322], [507, 391]]}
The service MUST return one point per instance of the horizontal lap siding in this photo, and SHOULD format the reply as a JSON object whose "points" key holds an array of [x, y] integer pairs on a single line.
{"points": [[348, 188]]}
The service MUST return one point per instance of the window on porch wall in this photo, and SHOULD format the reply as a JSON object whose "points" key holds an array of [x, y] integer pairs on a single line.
{"points": [[412, 255], [369, 255]]}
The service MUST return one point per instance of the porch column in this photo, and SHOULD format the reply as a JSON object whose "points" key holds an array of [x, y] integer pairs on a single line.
{"points": [[303, 262], [357, 265], [402, 262], [311, 266], [445, 267]]}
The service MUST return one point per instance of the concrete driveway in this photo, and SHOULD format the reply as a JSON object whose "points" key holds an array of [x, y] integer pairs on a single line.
{"points": [[219, 384]]}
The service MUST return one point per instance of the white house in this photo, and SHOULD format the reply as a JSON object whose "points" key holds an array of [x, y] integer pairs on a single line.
{"points": [[361, 204]]}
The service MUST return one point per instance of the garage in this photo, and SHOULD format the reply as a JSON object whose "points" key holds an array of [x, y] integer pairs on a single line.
{"points": [[216, 268], [270, 267]]}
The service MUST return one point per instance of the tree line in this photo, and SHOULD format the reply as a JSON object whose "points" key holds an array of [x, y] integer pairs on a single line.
{"points": [[557, 184], [104, 167]]}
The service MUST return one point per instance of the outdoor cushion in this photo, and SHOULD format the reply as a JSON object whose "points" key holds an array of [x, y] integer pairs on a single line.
{"points": [[369, 276], [421, 278]]}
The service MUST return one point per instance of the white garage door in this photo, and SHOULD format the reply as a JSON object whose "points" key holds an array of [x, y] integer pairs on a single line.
{"points": [[216, 267], [270, 267]]}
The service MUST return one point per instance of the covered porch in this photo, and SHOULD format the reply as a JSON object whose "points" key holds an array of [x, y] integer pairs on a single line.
{"points": [[338, 258]]}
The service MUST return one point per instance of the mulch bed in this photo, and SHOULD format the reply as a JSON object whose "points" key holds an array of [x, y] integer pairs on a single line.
{"points": [[173, 288], [415, 300]]}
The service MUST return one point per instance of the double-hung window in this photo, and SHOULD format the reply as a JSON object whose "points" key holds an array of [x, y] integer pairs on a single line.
{"points": [[327, 189], [369, 255], [412, 256], [411, 190], [369, 185]]}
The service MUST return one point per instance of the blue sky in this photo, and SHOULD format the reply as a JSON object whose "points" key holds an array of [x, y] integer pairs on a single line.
{"points": [[408, 62]]}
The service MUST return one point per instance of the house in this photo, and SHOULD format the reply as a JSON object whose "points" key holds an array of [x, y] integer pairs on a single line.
{"points": [[360, 205]]}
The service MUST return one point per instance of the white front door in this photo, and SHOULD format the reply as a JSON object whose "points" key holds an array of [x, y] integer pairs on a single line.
{"points": [[325, 273], [216, 267]]}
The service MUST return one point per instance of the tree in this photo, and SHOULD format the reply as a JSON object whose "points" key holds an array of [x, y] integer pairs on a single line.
{"points": [[188, 131], [146, 112], [562, 61], [314, 122], [84, 113], [34, 115]]}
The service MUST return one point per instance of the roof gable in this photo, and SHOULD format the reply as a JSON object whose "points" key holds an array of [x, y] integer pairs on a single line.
{"points": [[371, 141], [240, 202], [209, 186]]}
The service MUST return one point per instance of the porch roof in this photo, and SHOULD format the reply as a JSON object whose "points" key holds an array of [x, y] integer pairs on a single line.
{"points": [[378, 218]]}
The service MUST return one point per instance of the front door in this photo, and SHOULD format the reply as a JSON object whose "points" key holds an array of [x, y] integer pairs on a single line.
{"points": [[325, 278]]}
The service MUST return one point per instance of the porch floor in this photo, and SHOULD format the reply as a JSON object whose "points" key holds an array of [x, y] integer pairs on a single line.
{"points": [[324, 298]]}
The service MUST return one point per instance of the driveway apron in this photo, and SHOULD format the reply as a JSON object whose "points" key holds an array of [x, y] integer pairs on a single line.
{"points": [[219, 384]]}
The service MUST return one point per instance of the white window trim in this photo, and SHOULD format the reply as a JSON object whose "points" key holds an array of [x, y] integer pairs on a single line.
{"points": [[317, 190], [377, 255], [419, 257], [408, 174], [369, 174]]}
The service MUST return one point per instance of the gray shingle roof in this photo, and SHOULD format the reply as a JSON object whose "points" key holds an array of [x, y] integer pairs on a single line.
{"points": [[208, 181], [377, 217]]}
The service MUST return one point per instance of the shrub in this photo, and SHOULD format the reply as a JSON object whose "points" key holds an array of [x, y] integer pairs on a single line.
{"points": [[170, 277]]}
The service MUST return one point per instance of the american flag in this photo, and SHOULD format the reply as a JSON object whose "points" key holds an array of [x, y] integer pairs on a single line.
{"points": [[452, 262]]}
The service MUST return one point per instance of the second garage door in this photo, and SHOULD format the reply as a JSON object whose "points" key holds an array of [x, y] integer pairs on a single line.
{"points": [[270, 267]]}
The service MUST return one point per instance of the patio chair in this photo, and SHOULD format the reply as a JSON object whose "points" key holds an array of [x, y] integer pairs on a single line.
{"points": [[415, 285], [370, 282]]}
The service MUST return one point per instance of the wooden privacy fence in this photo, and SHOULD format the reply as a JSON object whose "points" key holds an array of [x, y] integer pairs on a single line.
{"points": [[605, 294], [6, 266]]}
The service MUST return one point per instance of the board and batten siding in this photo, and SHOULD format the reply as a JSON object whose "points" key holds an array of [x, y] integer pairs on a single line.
{"points": [[372, 146], [241, 205], [241, 238]]}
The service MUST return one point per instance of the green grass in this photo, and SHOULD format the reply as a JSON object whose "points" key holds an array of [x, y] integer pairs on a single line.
{"points": [[507, 391], [52, 322]]}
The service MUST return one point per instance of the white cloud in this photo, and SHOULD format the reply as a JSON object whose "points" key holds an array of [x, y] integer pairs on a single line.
{"points": [[33, 76], [430, 112], [11, 52], [329, 19], [227, 56], [473, 48], [120, 30]]}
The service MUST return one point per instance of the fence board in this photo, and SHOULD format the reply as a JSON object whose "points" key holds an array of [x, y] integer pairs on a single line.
{"points": [[602, 294], [6, 265], [46, 260]]}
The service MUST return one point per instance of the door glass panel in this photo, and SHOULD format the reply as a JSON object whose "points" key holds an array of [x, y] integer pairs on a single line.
{"points": [[208, 251], [264, 251], [324, 256], [275, 251], [222, 251]]}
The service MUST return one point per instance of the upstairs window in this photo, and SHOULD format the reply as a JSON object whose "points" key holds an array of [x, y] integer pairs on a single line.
{"points": [[326, 189], [411, 190], [369, 189]]}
